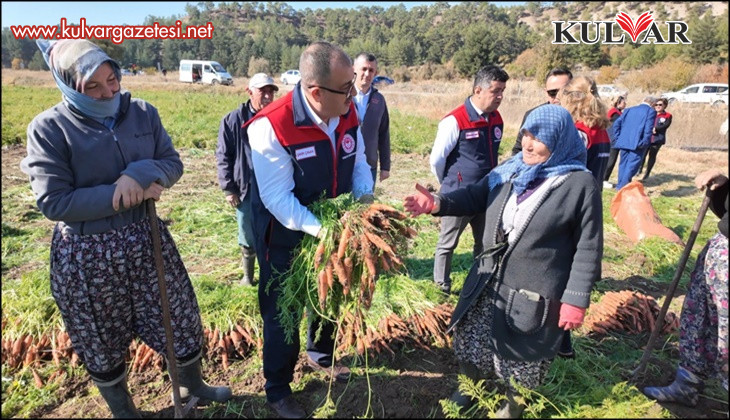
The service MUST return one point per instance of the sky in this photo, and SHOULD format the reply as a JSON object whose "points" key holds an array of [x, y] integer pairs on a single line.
{"points": [[134, 13]]}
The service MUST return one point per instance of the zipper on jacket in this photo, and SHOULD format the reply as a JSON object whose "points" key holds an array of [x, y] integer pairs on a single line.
{"points": [[334, 164]]}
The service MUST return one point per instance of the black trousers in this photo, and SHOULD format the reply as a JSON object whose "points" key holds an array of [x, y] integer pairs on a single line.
{"points": [[612, 158], [280, 358]]}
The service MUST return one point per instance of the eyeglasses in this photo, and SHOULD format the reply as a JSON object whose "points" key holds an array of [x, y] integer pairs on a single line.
{"points": [[347, 93], [658, 104], [552, 92]]}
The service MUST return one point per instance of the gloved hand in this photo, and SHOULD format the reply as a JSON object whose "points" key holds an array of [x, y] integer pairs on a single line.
{"points": [[366, 199], [419, 203], [571, 316]]}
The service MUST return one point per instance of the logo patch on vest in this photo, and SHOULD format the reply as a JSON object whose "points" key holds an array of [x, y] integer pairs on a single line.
{"points": [[305, 153], [474, 134], [348, 144], [497, 133]]}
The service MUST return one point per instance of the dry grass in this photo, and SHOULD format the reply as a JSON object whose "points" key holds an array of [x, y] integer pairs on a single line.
{"points": [[694, 126]]}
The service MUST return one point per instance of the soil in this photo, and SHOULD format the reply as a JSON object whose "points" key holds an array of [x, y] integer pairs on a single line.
{"points": [[425, 376]]}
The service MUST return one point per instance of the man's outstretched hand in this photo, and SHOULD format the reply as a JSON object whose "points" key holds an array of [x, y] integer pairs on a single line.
{"points": [[420, 203]]}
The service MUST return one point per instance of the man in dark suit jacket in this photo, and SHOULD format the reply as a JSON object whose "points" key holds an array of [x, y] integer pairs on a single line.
{"points": [[373, 115], [632, 133]]}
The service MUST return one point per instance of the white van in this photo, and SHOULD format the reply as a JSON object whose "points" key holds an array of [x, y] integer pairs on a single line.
{"points": [[210, 72]]}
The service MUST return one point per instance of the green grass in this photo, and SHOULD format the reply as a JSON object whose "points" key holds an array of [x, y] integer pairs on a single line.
{"points": [[204, 229]]}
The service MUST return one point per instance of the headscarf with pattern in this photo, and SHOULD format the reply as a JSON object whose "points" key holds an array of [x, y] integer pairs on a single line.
{"points": [[72, 63], [553, 126]]}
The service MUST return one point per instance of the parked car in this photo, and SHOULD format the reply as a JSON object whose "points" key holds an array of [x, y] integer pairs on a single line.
{"points": [[290, 77], [705, 93], [610, 91], [204, 71], [383, 79], [720, 99]]}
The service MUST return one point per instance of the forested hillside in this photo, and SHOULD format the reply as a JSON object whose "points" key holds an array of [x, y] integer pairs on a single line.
{"points": [[441, 40]]}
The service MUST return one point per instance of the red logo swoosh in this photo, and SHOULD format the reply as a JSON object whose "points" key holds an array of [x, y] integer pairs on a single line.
{"points": [[634, 29]]}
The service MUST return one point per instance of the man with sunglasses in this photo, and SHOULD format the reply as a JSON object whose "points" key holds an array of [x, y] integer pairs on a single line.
{"points": [[304, 145], [554, 81]]}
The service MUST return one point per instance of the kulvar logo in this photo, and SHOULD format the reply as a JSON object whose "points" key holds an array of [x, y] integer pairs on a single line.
{"points": [[605, 32]]}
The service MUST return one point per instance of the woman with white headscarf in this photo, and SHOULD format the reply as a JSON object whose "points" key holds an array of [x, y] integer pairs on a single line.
{"points": [[93, 159], [543, 245]]}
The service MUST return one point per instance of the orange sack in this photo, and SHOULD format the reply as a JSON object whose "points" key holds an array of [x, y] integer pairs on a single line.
{"points": [[634, 214]]}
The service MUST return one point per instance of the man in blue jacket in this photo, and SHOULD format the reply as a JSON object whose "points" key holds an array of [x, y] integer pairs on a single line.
{"points": [[233, 156], [632, 133]]}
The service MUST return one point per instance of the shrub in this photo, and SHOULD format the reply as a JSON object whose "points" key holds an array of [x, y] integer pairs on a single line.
{"points": [[670, 74], [710, 73], [400, 74], [258, 65], [444, 71], [524, 65], [17, 64], [608, 74], [424, 72]]}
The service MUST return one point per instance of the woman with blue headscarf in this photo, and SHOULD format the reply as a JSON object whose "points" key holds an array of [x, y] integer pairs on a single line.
{"points": [[93, 159], [543, 245]]}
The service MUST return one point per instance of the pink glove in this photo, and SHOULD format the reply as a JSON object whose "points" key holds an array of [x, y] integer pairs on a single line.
{"points": [[571, 316], [419, 203]]}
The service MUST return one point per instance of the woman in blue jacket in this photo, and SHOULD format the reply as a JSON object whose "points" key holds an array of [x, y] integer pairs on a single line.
{"points": [[93, 159]]}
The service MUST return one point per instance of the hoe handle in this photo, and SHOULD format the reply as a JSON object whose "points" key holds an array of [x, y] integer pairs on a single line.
{"points": [[659, 324]]}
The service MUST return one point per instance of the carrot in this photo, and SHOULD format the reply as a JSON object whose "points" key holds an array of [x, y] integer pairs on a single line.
{"points": [[30, 355], [340, 271], [384, 263], [229, 344], [56, 358], [344, 238], [368, 256], [18, 347], [319, 255], [224, 354], [389, 211], [37, 379], [379, 242], [322, 288], [328, 270], [349, 267], [244, 333], [236, 338], [146, 359]]}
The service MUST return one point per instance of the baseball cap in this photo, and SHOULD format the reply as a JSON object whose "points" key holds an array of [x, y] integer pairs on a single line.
{"points": [[260, 80]]}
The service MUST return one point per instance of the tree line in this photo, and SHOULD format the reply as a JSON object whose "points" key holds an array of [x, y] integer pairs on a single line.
{"points": [[269, 36]]}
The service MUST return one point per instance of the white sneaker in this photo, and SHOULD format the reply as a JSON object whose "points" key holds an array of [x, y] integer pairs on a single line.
{"points": [[607, 184]]}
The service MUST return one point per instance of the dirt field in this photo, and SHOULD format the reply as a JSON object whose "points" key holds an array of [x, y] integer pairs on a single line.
{"points": [[425, 376]]}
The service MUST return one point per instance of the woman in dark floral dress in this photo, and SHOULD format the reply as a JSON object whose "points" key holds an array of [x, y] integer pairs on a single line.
{"points": [[93, 159]]}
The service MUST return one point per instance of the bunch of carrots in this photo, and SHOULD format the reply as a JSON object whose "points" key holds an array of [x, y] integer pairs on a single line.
{"points": [[341, 267], [627, 311]]}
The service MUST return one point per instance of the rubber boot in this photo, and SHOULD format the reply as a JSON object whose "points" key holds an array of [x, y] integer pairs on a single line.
{"points": [[472, 372], [511, 409], [248, 260], [192, 384], [684, 390], [116, 395]]}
